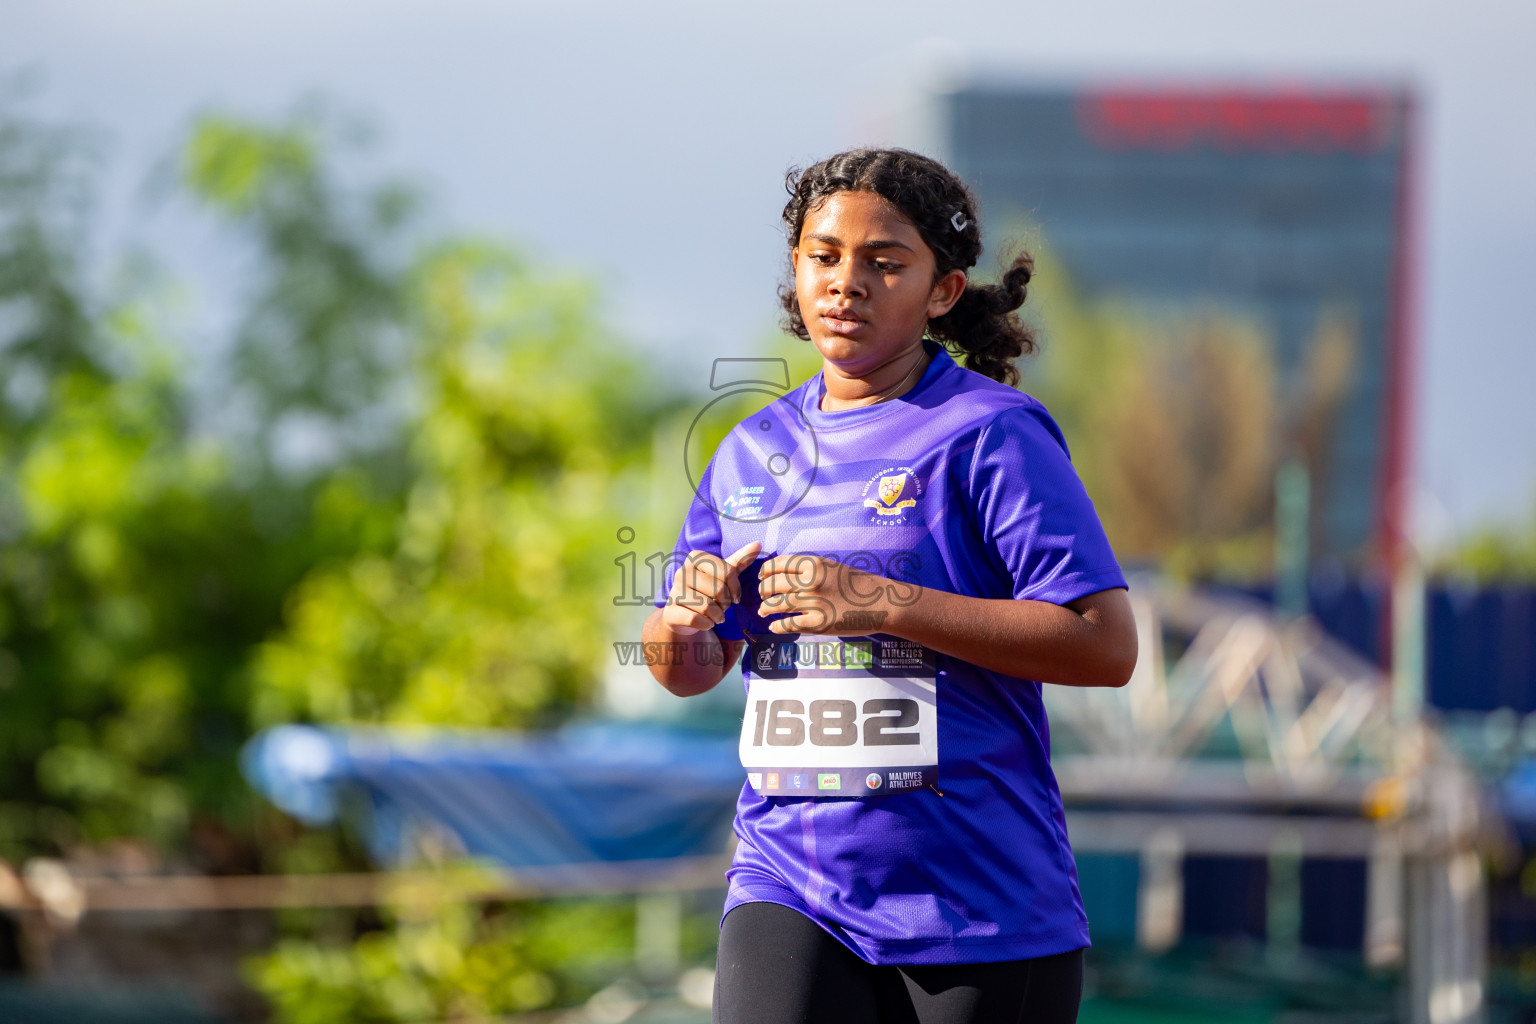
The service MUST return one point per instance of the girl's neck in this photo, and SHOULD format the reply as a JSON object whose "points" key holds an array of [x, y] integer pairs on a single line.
{"points": [[891, 379]]}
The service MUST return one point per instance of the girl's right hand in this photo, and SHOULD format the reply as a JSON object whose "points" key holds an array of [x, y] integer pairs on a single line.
{"points": [[704, 587]]}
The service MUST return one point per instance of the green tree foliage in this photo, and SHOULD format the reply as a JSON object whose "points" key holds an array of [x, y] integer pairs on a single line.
{"points": [[47, 328], [444, 959], [482, 612], [159, 600], [322, 342], [128, 595], [1494, 555], [164, 592]]}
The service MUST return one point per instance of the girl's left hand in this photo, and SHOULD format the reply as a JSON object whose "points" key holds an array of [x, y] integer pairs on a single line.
{"points": [[823, 596]]}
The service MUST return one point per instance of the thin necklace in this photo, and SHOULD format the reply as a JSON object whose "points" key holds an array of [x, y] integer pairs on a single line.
{"points": [[899, 383], [890, 392]]}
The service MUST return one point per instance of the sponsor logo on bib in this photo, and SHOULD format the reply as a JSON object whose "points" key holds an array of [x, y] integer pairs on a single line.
{"points": [[874, 780]]}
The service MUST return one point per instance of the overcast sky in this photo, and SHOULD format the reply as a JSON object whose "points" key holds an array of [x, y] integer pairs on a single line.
{"points": [[646, 144]]}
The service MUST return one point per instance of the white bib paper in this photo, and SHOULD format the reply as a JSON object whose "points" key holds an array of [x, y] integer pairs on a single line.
{"points": [[834, 718]]}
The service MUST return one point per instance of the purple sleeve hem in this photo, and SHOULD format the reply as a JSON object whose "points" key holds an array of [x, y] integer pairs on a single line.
{"points": [[1068, 588]]}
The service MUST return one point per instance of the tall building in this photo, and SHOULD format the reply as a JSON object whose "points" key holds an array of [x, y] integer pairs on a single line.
{"points": [[1278, 205]]}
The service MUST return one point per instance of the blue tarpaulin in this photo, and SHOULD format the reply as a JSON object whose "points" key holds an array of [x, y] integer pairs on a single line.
{"points": [[590, 793]]}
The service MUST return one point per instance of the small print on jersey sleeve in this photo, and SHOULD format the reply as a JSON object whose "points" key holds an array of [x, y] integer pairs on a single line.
{"points": [[701, 532], [1033, 511]]}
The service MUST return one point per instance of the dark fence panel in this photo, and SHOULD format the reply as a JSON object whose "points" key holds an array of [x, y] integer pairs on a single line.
{"points": [[1480, 642]]}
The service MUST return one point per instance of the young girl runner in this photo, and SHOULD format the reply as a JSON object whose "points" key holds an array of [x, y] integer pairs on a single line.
{"points": [[903, 581]]}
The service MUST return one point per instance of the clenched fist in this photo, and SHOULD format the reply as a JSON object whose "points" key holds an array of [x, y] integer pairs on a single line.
{"points": [[704, 587], [821, 595]]}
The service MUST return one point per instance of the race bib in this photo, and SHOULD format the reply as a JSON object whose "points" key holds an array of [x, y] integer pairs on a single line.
{"points": [[833, 717]]}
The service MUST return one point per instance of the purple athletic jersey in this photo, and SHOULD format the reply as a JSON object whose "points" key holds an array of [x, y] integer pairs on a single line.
{"points": [[962, 484]]}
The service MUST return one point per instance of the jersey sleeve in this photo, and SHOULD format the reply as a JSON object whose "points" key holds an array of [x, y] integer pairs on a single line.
{"points": [[1034, 513], [700, 532]]}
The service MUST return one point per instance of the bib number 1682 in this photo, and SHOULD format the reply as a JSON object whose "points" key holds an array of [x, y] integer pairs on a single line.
{"points": [[886, 722]]}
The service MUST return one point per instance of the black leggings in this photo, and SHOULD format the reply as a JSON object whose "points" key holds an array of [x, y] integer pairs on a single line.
{"points": [[778, 967]]}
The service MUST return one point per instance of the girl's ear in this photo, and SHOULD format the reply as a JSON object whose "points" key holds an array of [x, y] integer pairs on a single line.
{"points": [[946, 292]]}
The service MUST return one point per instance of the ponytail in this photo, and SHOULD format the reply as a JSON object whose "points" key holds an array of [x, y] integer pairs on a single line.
{"points": [[985, 326]]}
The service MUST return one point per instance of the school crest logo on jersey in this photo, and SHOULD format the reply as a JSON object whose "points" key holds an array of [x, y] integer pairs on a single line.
{"points": [[891, 494]]}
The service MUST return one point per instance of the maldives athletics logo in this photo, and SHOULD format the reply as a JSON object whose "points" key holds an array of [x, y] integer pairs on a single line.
{"points": [[892, 493]]}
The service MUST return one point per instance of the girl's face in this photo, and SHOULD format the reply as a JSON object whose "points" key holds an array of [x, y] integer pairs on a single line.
{"points": [[864, 278]]}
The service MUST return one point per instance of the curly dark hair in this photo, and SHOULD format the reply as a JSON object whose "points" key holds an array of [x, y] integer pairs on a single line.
{"points": [[983, 325]]}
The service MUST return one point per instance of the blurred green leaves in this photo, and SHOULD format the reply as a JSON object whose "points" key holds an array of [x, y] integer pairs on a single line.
{"points": [[166, 588], [450, 959], [481, 611], [322, 344], [441, 554], [235, 165], [1495, 554], [47, 326]]}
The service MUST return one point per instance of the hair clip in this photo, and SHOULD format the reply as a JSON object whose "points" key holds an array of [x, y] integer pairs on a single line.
{"points": [[958, 221]]}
